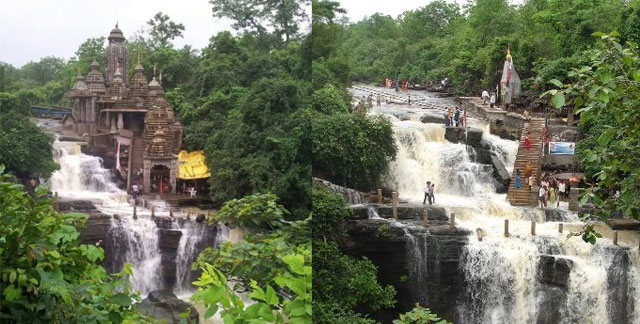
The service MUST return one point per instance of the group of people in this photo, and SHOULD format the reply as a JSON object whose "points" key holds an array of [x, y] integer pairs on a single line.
{"points": [[388, 83], [489, 99], [136, 189], [429, 191], [551, 192], [455, 118]]}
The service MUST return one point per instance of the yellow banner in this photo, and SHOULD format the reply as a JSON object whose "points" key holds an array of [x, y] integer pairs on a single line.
{"points": [[191, 165]]}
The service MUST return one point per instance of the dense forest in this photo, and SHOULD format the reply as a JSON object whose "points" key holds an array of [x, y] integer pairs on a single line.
{"points": [[268, 104], [245, 100], [580, 55]]}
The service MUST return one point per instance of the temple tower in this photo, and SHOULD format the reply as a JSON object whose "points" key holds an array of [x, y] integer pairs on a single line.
{"points": [[116, 51]]}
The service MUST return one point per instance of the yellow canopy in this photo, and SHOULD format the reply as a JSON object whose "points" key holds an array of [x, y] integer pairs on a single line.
{"points": [[191, 165]]}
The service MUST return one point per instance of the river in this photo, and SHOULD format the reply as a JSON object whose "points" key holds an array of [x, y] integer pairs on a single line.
{"points": [[502, 274]]}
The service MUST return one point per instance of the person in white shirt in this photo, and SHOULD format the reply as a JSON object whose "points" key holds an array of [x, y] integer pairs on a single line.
{"points": [[433, 192], [134, 191], [493, 100], [485, 96], [427, 193], [542, 193]]}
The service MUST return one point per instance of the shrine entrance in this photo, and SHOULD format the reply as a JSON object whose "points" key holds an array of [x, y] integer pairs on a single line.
{"points": [[160, 179]]}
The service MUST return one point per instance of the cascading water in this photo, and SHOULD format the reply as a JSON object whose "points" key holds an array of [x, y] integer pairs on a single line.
{"points": [[502, 275], [135, 241]]}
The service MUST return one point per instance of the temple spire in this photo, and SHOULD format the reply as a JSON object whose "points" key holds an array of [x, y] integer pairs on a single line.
{"points": [[508, 53]]}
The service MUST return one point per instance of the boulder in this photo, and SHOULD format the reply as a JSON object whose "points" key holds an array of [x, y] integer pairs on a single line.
{"points": [[454, 134], [554, 270], [423, 264], [164, 305], [432, 119], [624, 224], [200, 218], [414, 212], [556, 215], [75, 205], [169, 239], [474, 137], [500, 173]]}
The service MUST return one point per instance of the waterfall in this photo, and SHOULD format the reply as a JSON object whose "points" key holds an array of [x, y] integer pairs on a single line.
{"points": [[521, 278], [137, 242]]}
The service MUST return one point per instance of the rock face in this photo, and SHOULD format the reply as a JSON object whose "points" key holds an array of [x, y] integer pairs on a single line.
{"points": [[405, 211], [421, 263], [554, 270], [454, 134], [432, 119], [501, 174], [164, 305], [352, 196]]}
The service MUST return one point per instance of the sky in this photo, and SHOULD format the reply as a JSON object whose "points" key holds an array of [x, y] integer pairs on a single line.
{"points": [[32, 29], [358, 9]]}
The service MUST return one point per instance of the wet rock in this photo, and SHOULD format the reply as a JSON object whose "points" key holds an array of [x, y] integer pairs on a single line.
{"points": [[474, 137], [395, 250], [620, 294], [551, 302], [500, 173], [414, 212], [200, 218], [554, 270], [164, 305], [625, 224], [75, 205], [454, 134], [556, 215], [169, 239], [352, 196], [432, 119]]}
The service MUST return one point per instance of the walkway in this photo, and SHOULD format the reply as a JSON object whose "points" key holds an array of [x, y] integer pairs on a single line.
{"points": [[523, 196]]}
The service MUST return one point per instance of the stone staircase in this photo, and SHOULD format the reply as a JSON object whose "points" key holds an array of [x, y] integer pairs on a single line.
{"points": [[523, 195], [136, 155]]}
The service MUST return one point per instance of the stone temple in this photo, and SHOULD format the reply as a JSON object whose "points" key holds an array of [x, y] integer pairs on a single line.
{"points": [[128, 119]]}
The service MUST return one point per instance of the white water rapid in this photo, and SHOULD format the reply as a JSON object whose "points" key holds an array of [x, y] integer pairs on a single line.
{"points": [[502, 274], [136, 241]]}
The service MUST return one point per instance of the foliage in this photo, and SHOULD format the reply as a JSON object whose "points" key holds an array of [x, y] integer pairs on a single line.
{"points": [[331, 211], [47, 275], [602, 92], [268, 307], [274, 252], [26, 150], [420, 315], [269, 237], [352, 151], [351, 282], [255, 212], [346, 287], [163, 30], [283, 16], [467, 44], [330, 99]]}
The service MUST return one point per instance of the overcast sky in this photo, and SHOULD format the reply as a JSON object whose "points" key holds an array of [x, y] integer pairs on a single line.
{"points": [[32, 29]]}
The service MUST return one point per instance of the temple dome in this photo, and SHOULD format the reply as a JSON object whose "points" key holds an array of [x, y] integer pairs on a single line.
{"points": [[116, 35], [95, 79]]}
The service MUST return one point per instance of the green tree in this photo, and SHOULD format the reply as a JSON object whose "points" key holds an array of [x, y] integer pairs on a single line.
{"points": [[603, 92], [345, 287], [275, 252], [163, 30], [26, 150], [47, 275], [283, 16], [352, 151]]}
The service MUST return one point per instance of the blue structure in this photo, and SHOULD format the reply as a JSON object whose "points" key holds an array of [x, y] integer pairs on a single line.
{"points": [[41, 110]]}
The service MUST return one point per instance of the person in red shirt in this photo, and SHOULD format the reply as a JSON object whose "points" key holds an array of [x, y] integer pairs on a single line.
{"points": [[527, 142]]}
